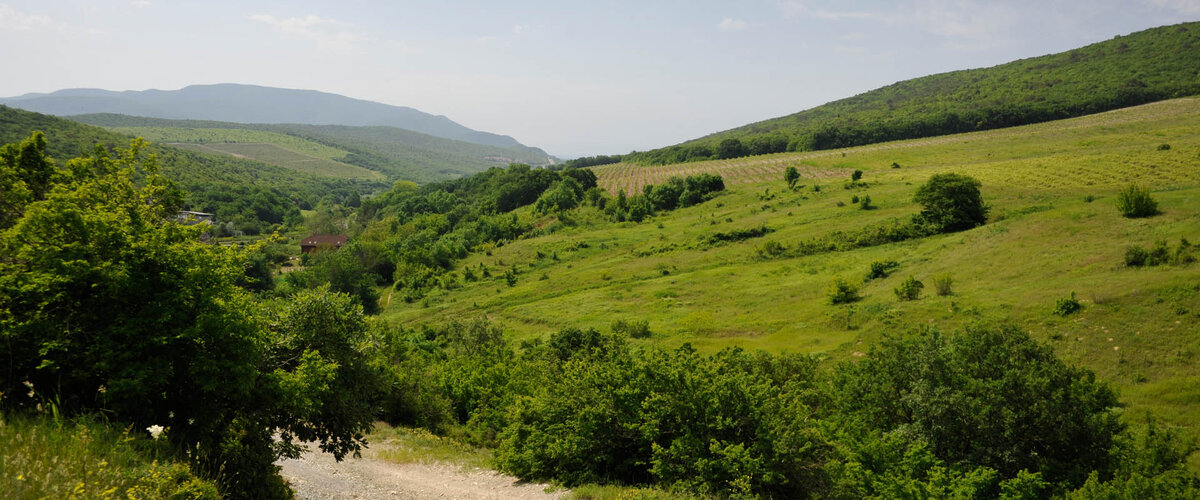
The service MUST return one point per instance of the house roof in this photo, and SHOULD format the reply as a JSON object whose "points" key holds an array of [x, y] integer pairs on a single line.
{"points": [[336, 240]]}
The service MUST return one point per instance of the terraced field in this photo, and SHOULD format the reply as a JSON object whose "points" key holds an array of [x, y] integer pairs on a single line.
{"points": [[268, 147]]}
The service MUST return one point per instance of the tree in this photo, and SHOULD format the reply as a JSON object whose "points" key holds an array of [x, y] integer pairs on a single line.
{"points": [[791, 175], [730, 148], [951, 202], [107, 305], [987, 396], [1135, 201]]}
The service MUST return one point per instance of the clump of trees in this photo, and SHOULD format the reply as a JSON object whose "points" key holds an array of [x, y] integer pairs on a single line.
{"points": [[107, 306]]}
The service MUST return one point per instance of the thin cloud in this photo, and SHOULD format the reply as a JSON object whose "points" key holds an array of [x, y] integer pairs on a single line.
{"points": [[11, 19], [518, 29], [730, 24], [325, 32]]}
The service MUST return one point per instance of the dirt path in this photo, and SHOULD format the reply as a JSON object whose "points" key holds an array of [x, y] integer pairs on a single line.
{"points": [[317, 476]]}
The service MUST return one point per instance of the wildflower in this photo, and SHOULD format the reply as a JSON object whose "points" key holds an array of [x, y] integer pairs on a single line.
{"points": [[155, 431]]}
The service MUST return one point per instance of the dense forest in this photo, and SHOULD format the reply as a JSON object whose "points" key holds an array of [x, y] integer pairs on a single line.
{"points": [[250, 197], [1142, 67]]}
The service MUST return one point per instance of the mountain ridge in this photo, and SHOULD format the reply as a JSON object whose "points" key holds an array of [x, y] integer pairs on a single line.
{"points": [[243, 103]]}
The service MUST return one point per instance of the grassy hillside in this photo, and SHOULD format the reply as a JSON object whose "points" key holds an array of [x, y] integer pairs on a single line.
{"points": [[394, 152], [254, 191], [1053, 231], [1142, 67]]}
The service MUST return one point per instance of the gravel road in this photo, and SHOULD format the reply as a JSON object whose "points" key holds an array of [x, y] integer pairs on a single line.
{"points": [[316, 475]]}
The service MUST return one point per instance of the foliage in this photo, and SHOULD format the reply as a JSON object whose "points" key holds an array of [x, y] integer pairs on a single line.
{"points": [[107, 305], [950, 202], [881, 269], [986, 397], [856, 175], [791, 176], [944, 284], [842, 292], [910, 289], [865, 203], [1135, 201], [591, 161], [738, 235], [635, 329], [1066, 306], [83, 457], [1143, 67]]}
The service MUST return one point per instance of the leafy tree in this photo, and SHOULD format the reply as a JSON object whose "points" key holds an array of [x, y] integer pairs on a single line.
{"points": [[951, 202], [990, 397], [106, 305], [731, 148], [791, 175]]}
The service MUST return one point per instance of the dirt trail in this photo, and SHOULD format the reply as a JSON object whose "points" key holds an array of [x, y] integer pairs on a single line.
{"points": [[316, 475]]}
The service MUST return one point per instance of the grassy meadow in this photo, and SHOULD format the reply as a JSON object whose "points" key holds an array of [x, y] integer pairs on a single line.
{"points": [[272, 148], [1053, 230]]}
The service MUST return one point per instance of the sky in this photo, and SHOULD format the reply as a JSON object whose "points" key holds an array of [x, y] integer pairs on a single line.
{"points": [[572, 77]]}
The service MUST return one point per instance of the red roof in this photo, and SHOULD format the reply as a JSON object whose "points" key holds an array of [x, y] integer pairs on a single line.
{"points": [[336, 240]]}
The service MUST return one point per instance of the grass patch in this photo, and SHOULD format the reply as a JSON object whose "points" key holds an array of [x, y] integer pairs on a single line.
{"points": [[406, 445]]}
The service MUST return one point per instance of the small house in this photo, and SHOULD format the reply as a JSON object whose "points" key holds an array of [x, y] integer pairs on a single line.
{"points": [[188, 217], [322, 241]]}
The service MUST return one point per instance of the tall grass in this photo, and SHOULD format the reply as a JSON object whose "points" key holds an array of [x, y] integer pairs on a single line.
{"points": [[47, 457]]}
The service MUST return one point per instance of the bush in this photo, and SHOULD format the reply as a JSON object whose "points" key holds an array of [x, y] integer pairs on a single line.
{"points": [[1164, 147], [865, 203], [1135, 201], [943, 283], [791, 175], [637, 329], [882, 268], [1067, 306], [910, 289], [856, 176], [842, 292], [1135, 256], [951, 202]]}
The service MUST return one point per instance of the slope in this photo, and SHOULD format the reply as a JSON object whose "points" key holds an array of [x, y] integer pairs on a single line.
{"points": [[394, 152], [1053, 231], [251, 104], [1142, 67], [252, 191]]}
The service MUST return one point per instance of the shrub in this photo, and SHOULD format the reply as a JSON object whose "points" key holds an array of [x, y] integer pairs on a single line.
{"points": [[910, 289], [856, 176], [637, 329], [1135, 201], [854, 199], [1067, 306], [943, 283], [895, 165], [1089, 198], [1164, 147], [842, 292], [791, 175], [1135, 256], [771, 248], [951, 202], [510, 277], [865, 203], [882, 268]]}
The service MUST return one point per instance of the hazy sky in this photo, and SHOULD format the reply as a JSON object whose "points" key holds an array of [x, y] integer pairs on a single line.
{"points": [[575, 78]]}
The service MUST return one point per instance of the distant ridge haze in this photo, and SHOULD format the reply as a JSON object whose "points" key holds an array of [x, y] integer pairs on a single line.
{"points": [[240, 103]]}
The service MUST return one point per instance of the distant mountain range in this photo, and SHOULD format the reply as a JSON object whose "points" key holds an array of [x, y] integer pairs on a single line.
{"points": [[229, 102]]}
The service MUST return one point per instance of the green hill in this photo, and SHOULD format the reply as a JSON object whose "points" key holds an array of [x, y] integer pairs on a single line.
{"points": [[252, 194], [1146, 66], [336, 150], [710, 277]]}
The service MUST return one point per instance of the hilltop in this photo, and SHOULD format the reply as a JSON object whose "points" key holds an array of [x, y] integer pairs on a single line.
{"points": [[252, 104], [1146, 66]]}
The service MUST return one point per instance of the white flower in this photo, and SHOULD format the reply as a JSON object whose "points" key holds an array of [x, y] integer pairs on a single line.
{"points": [[155, 431]]}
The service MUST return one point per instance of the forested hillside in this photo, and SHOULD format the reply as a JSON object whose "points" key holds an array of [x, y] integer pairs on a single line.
{"points": [[252, 104], [251, 195], [391, 151], [1142, 67]]}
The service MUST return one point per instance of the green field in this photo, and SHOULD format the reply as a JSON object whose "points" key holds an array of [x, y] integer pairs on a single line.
{"points": [[268, 147], [1053, 230]]}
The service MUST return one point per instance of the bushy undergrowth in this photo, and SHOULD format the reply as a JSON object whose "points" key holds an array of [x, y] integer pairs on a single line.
{"points": [[983, 413], [46, 457]]}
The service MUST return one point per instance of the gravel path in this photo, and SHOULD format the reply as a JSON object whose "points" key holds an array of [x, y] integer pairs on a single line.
{"points": [[316, 475]]}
